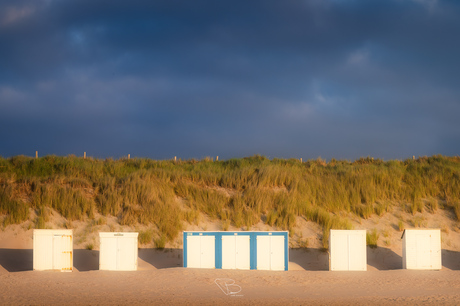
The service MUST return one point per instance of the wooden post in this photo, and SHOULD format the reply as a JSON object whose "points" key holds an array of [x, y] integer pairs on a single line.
{"points": [[36, 154], [413, 157], [217, 158], [301, 160], [175, 158], [84, 155], [129, 156]]}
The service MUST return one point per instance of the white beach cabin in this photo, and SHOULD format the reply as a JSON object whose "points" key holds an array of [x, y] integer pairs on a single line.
{"points": [[243, 250], [53, 250], [347, 250], [118, 251], [422, 249]]}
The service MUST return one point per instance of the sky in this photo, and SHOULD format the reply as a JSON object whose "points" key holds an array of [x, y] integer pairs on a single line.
{"points": [[339, 79]]}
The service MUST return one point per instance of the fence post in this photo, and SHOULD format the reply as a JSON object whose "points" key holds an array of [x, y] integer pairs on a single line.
{"points": [[36, 154], [84, 155], [129, 156], [175, 158], [217, 158], [301, 160]]}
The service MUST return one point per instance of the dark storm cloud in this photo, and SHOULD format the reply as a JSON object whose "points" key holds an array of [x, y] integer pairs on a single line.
{"points": [[339, 79]]}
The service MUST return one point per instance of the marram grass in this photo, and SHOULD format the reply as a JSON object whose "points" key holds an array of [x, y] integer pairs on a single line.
{"points": [[240, 192]]}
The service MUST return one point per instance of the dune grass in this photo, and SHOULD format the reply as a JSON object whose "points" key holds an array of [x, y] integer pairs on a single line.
{"points": [[240, 192]]}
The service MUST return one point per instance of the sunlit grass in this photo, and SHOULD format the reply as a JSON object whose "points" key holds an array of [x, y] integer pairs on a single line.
{"points": [[238, 192]]}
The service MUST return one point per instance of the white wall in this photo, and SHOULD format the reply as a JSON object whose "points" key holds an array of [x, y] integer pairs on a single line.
{"points": [[347, 250], [118, 251], [53, 250], [235, 252], [270, 253], [201, 251], [422, 249]]}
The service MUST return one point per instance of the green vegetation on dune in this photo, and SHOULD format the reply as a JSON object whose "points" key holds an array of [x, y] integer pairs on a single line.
{"points": [[240, 192]]}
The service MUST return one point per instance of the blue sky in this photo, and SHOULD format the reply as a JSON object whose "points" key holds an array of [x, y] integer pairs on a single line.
{"points": [[288, 79]]}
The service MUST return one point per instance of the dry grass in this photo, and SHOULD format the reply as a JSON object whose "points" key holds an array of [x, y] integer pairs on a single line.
{"points": [[372, 238], [143, 191]]}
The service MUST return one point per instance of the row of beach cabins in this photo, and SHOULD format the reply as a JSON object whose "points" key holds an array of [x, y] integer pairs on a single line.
{"points": [[245, 250]]}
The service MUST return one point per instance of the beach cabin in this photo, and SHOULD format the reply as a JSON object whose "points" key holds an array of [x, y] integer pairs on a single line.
{"points": [[421, 249], [236, 250], [347, 250], [53, 250], [118, 251]]}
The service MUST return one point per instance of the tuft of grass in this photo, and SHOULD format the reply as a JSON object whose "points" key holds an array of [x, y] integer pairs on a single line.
{"points": [[456, 207], [225, 225], [416, 206], [432, 205], [419, 221], [192, 216], [400, 225], [40, 223], [371, 238], [145, 237], [89, 246], [160, 242], [101, 221]]}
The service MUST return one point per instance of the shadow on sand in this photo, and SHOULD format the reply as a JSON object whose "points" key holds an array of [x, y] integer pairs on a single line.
{"points": [[383, 259], [451, 259], [310, 259], [18, 260], [85, 260], [162, 259]]}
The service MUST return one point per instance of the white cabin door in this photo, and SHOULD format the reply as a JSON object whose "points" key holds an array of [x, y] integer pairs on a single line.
{"points": [[208, 252], [270, 253], [276, 253], [194, 251], [127, 254], [235, 252], [228, 252], [108, 256], [356, 253], [263, 252], [242, 255], [340, 253], [201, 252], [43, 246], [423, 251], [57, 252]]}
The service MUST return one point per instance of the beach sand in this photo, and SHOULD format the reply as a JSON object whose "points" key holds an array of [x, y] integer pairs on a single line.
{"points": [[161, 279]]}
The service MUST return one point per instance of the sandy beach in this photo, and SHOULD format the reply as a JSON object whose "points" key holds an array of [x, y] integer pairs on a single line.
{"points": [[161, 279]]}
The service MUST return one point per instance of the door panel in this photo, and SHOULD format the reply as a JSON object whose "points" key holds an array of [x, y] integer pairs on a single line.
{"points": [[242, 256], [339, 253], [127, 254], [57, 252], [208, 252], [194, 251], [276, 253], [229, 252], [423, 251], [356, 253], [263, 252], [108, 255]]}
